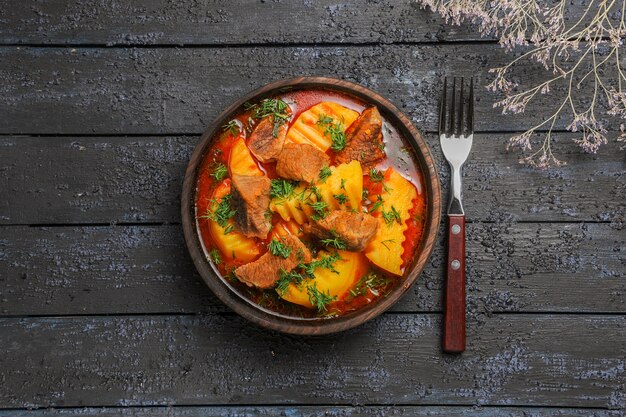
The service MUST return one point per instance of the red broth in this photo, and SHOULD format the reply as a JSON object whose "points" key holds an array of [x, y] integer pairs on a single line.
{"points": [[399, 156]]}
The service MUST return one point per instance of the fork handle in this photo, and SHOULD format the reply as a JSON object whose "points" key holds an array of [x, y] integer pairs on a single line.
{"points": [[454, 313]]}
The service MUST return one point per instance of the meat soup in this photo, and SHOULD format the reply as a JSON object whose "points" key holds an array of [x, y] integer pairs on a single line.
{"points": [[310, 204]]}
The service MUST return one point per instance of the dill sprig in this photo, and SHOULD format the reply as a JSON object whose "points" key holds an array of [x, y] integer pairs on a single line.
{"points": [[221, 213], [371, 281], [319, 299], [215, 256], [391, 216], [327, 262], [325, 173], [287, 278], [277, 248], [376, 175], [320, 209], [219, 172], [341, 198], [282, 188], [335, 130], [271, 107], [385, 243], [379, 202], [232, 127], [334, 242]]}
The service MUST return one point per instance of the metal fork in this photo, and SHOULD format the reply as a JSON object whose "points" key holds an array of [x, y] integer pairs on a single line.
{"points": [[456, 132]]}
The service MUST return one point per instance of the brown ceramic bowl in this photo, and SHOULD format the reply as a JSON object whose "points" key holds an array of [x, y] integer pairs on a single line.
{"points": [[313, 326]]}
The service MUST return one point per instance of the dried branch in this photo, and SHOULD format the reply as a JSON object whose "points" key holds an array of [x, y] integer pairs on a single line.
{"points": [[584, 56]]}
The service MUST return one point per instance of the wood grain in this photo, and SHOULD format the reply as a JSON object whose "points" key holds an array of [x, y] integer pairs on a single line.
{"points": [[571, 364], [159, 360], [223, 22], [315, 411], [169, 90], [138, 179], [511, 267]]}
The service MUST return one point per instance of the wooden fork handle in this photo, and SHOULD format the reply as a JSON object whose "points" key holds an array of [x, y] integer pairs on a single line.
{"points": [[454, 312]]}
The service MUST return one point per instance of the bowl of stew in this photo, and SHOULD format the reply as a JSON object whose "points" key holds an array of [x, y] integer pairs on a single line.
{"points": [[310, 205]]}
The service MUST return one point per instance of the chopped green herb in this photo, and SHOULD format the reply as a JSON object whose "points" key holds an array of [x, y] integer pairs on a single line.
{"points": [[371, 281], [219, 172], [229, 228], [334, 130], [230, 275], [282, 188], [320, 208], [376, 175], [330, 314], [341, 198], [287, 278], [271, 107], [319, 299], [325, 173], [315, 191], [327, 262], [222, 213], [343, 184], [232, 127], [379, 202], [300, 255], [364, 194], [385, 242], [215, 255], [277, 248], [391, 216], [335, 242]]}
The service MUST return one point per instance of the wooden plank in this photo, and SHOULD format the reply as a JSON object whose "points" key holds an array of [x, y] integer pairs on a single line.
{"points": [[139, 179], [158, 360], [169, 90], [188, 22], [315, 411], [145, 269]]}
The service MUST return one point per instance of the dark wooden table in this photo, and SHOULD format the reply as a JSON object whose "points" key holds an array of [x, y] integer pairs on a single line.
{"points": [[102, 313]]}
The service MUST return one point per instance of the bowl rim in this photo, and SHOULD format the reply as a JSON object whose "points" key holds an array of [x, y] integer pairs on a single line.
{"points": [[293, 325]]}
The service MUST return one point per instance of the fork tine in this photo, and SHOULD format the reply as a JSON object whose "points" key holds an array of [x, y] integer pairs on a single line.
{"points": [[442, 111], [470, 115], [453, 108], [459, 127]]}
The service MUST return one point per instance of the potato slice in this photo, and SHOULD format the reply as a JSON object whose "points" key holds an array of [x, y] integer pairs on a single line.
{"points": [[241, 161], [295, 206], [306, 130], [234, 246], [386, 250], [350, 176], [349, 269]]}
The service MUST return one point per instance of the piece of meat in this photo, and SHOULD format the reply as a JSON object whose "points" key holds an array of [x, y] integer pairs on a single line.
{"points": [[265, 271], [354, 229], [251, 200], [301, 162], [263, 144], [364, 139]]}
